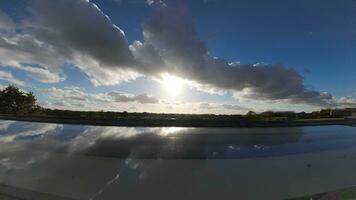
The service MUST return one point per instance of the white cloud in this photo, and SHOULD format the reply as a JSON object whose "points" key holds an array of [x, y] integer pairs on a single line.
{"points": [[84, 36], [20, 51], [91, 135], [346, 102], [100, 76], [8, 77], [156, 3], [49, 40], [43, 75], [120, 97], [78, 99], [72, 93], [33, 129], [4, 125]]}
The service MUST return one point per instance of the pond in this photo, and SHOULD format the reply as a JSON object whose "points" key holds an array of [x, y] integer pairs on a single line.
{"points": [[98, 162]]}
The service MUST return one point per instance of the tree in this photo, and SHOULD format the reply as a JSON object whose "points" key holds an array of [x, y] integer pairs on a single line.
{"points": [[251, 113], [252, 116], [15, 101]]}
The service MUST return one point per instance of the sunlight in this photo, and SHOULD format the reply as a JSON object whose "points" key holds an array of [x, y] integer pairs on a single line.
{"points": [[166, 131], [172, 84]]}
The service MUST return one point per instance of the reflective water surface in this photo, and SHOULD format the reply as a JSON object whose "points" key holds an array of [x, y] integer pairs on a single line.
{"points": [[92, 162]]}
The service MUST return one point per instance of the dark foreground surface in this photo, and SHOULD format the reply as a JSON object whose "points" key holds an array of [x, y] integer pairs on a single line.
{"points": [[99, 162], [181, 123], [13, 193]]}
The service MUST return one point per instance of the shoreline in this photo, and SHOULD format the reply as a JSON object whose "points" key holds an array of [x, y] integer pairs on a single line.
{"points": [[177, 122]]}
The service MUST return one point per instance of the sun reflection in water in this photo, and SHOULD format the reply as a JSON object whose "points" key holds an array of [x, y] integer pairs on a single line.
{"points": [[168, 131]]}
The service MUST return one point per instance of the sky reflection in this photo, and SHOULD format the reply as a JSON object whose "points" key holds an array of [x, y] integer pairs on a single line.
{"points": [[89, 162], [173, 142]]}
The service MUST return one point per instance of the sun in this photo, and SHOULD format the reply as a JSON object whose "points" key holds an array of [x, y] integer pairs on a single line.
{"points": [[172, 84]]}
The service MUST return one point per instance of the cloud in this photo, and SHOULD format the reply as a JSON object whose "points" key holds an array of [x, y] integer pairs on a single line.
{"points": [[171, 32], [148, 58], [83, 28], [8, 77], [83, 35], [222, 107], [5, 21], [346, 102], [43, 75], [4, 125], [30, 130], [93, 135], [87, 38], [205, 106], [78, 99], [61, 104], [100, 76], [26, 53], [20, 49], [233, 107], [73, 98], [72, 93], [158, 3], [125, 98]]}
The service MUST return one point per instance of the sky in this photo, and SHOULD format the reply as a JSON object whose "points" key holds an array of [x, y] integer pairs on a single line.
{"points": [[201, 56]]}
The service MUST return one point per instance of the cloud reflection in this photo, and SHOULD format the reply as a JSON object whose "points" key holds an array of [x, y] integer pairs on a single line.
{"points": [[146, 142], [26, 131], [5, 124], [86, 162]]}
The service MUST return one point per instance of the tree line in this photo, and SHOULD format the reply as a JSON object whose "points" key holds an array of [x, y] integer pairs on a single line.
{"points": [[18, 102]]}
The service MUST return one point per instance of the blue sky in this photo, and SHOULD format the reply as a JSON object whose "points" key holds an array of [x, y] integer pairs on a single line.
{"points": [[221, 56]]}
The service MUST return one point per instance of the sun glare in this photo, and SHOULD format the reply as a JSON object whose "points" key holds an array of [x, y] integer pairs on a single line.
{"points": [[172, 84], [167, 131]]}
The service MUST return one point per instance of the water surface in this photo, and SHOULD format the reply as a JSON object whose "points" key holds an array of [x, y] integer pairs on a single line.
{"points": [[92, 162]]}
